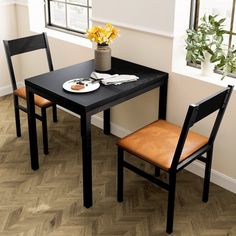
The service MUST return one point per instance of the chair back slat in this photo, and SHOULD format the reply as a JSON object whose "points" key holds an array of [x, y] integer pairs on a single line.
{"points": [[210, 105], [198, 111], [24, 45]]}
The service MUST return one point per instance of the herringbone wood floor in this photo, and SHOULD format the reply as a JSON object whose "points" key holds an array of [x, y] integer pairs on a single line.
{"points": [[49, 201]]}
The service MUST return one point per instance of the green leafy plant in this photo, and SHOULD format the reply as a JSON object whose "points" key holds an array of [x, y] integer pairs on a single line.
{"points": [[227, 62], [208, 37]]}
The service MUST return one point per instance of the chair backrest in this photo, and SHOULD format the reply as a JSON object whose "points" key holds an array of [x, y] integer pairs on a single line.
{"points": [[24, 45], [197, 112]]}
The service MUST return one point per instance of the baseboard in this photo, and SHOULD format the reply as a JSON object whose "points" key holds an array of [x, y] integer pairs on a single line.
{"points": [[98, 122], [5, 90], [217, 178], [115, 129]]}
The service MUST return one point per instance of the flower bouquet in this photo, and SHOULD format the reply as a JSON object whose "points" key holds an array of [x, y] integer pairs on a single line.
{"points": [[103, 36]]}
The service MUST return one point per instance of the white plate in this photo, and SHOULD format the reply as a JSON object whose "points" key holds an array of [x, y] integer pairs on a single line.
{"points": [[90, 85]]}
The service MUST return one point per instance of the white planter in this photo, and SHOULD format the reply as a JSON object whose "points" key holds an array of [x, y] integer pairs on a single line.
{"points": [[207, 67]]}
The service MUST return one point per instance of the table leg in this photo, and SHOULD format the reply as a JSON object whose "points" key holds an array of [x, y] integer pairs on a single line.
{"points": [[106, 122], [32, 129], [163, 100], [162, 110], [87, 159]]}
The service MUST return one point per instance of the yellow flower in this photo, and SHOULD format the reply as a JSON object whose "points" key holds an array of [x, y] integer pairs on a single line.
{"points": [[102, 35]]}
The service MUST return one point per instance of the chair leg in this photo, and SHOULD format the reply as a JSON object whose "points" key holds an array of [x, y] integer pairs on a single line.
{"points": [[207, 176], [157, 171], [44, 131], [54, 112], [171, 203], [120, 175], [17, 116]]}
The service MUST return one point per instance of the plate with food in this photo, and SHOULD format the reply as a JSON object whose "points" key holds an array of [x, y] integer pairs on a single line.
{"points": [[81, 85]]}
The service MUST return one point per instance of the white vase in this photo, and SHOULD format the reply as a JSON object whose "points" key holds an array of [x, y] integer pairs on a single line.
{"points": [[102, 58], [207, 67]]}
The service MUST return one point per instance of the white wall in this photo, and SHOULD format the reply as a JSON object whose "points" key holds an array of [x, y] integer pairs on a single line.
{"points": [[158, 44], [8, 29], [152, 15]]}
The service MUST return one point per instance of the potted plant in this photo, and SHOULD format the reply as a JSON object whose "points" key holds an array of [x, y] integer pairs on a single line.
{"points": [[205, 45], [103, 36]]}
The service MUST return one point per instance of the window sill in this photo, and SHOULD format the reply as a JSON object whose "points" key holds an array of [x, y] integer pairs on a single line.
{"points": [[214, 78], [84, 42]]}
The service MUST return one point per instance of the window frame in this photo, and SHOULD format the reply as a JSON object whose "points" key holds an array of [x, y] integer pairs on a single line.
{"points": [[194, 17], [66, 29]]}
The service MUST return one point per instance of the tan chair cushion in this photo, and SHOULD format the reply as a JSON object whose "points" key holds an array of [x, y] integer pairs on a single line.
{"points": [[156, 143], [39, 101]]}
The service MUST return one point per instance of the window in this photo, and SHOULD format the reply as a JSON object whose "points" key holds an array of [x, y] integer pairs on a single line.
{"points": [[222, 8], [72, 16]]}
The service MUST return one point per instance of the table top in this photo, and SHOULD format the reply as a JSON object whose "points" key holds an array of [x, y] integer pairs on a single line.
{"points": [[49, 85]]}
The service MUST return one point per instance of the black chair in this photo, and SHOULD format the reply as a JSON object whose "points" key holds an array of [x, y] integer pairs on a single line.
{"points": [[24, 45], [171, 148]]}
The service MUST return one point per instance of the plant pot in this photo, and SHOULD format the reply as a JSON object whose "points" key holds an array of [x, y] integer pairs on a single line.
{"points": [[207, 67], [102, 58]]}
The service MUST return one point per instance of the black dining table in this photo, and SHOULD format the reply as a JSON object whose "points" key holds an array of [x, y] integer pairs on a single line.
{"points": [[49, 86]]}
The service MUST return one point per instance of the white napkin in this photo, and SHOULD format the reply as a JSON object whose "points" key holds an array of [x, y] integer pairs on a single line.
{"points": [[115, 79]]}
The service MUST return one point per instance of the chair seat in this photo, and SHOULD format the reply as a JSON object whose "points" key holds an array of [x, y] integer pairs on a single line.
{"points": [[39, 101], [156, 143]]}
